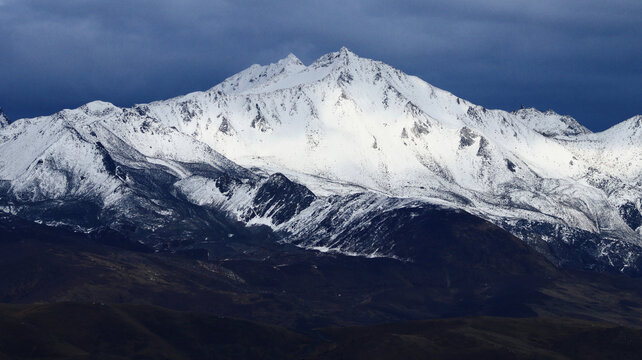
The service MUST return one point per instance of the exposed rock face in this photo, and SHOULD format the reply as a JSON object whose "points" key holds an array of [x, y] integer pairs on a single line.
{"points": [[280, 199]]}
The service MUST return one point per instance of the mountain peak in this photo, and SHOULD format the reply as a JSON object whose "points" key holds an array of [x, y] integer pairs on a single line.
{"points": [[257, 75], [4, 120], [631, 127], [345, 55], [342, 57], [290, 59], [344, 51], [98, 107]]}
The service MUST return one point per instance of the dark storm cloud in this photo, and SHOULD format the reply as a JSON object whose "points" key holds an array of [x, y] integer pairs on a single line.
{"points": [[580, 57]]}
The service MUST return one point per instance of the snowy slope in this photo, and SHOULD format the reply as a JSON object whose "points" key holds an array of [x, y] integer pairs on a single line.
{"points": [[363, 138], [102, 165]]}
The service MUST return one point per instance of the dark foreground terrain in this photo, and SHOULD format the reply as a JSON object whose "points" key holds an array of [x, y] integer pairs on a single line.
{"points": [[98, 295], [98, 331]]}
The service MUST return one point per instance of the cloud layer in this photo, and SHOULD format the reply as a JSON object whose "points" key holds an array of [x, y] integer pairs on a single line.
{"points": [[579, 57]]}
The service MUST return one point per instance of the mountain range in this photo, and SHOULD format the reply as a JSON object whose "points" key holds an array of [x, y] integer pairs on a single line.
{"points": [[346, 155]]}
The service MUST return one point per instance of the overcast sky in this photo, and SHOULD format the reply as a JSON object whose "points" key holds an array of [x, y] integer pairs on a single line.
{"points": [[578, 57]]}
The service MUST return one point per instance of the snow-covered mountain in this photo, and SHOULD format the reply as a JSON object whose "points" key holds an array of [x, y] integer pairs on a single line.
{"points": [[316, 152]]}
